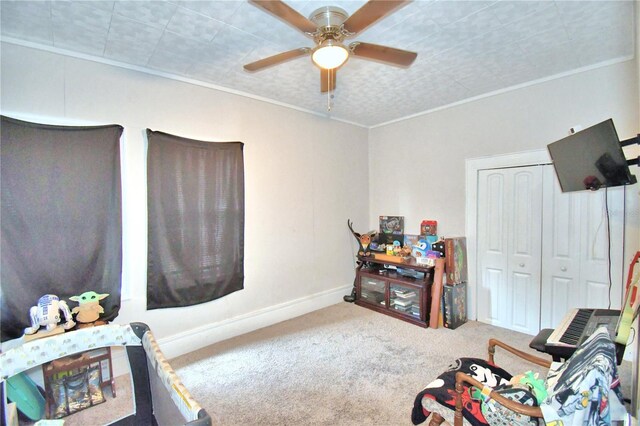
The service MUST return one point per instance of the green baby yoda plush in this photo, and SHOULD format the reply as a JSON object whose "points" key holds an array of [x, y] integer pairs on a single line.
{"points": [[88, 309], [531, 381]]}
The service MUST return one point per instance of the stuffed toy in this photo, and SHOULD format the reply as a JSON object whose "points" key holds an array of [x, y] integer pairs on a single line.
{"points": [[88, 309], [47, 314], [364, 240]]}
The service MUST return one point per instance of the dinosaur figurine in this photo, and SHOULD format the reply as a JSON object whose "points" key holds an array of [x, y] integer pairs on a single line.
{"points": [[47, 314], [88, 309]]}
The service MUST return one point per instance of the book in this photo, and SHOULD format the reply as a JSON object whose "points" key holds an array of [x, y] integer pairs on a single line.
{"points": [[404, 302], [455, 305], [406, 295], [455, 253], [402, 292], [411, 240]]}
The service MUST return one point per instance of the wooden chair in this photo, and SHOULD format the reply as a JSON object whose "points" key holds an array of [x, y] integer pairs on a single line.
{"points": [[565, 385], [461, 378]]}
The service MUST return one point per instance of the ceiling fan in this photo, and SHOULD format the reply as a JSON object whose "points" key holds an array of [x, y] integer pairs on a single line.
{"points": [[329, 26]]}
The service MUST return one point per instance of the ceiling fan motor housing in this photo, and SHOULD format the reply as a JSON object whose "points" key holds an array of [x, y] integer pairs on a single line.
{"points": [[329, 20]]}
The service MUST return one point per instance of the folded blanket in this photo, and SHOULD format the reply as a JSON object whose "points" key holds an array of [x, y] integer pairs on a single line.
{"points": [[585, 390], [441, 393], [442, 389]]}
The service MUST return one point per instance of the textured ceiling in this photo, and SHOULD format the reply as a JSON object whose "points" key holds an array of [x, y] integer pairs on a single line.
{"points": [[465, 48]]}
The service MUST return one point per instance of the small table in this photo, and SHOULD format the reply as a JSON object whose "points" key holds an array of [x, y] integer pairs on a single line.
{"points": [[404, 294]]}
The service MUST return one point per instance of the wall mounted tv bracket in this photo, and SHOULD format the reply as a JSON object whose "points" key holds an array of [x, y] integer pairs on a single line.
{"points": [[627, 142]]}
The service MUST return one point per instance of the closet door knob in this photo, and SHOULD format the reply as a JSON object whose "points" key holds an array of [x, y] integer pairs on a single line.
{"points": [[522, 265], [563, 269]]}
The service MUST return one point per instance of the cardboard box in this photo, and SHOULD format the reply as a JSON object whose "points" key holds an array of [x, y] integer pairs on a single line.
{"points": [[455, 305], [429, 227], [455, 253], [392, 225], [410, 240], [390, 238]]}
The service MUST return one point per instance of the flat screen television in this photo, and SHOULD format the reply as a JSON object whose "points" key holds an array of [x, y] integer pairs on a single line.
{"points": [[591, 159]]}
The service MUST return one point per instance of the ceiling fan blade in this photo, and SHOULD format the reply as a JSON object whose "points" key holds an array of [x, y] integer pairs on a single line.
{"points": [[327, 80], [386, 54], [277, 59], [370, 13], [286, 13]]}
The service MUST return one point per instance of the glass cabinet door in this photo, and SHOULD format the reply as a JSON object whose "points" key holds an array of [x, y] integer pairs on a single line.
{"points": [[405, 300], [372, 290]]}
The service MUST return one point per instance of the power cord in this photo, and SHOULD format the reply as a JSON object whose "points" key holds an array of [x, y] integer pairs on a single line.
{"points": [[606, 209]]}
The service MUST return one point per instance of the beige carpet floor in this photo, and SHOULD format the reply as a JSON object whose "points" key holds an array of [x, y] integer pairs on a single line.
{"points": [[342, 365]]}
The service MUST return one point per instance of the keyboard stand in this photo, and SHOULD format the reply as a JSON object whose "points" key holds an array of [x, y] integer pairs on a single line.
{"points": [[561, 353], [558, 353]]}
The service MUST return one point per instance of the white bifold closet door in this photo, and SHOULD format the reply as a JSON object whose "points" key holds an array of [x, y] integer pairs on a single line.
{"points": [[575, 250], [509, 246], [542, 252]]}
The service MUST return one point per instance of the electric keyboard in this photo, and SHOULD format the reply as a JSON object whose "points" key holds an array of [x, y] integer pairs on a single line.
{"points": [[578, 324]]}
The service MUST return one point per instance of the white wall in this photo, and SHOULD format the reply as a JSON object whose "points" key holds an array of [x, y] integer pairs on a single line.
{"points": [[304, 176], [430, 150], [417, 166]]}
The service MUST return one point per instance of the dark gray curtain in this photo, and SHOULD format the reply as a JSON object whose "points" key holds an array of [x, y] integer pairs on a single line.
{"points": [[196, 220], [60, 217]]}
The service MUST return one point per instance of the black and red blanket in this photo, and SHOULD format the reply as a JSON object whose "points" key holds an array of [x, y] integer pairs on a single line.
{"points": [[442, 390]]}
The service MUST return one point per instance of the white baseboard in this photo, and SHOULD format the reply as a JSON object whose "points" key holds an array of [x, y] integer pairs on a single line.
{"points": [[199, 337], [208, 334]]}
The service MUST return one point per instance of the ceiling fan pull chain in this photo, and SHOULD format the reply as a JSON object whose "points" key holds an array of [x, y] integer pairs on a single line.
{"points": [[329, 91]]}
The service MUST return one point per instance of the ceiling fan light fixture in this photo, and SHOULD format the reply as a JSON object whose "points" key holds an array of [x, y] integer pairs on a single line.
{"points": [[330, 54]]}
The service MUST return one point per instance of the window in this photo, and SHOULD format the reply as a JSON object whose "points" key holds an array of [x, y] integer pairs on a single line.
{"points": [[60, 217], [196, 220]]}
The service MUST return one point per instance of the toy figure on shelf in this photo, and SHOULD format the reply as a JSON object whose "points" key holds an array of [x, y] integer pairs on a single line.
{"points": [[364, 240], [396, 248], [420, 249], [405, 251], [47, 314], [389, 250], [88, 310]]}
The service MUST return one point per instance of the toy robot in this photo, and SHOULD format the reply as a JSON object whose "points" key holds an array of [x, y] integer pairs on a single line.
{"points": [[47, 314]]}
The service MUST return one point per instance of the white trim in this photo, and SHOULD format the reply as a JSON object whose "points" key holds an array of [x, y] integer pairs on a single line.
{"points": [[208, 334], [137, 68], [508, 89], [106, 61], [472, 167], [52, 120]]}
